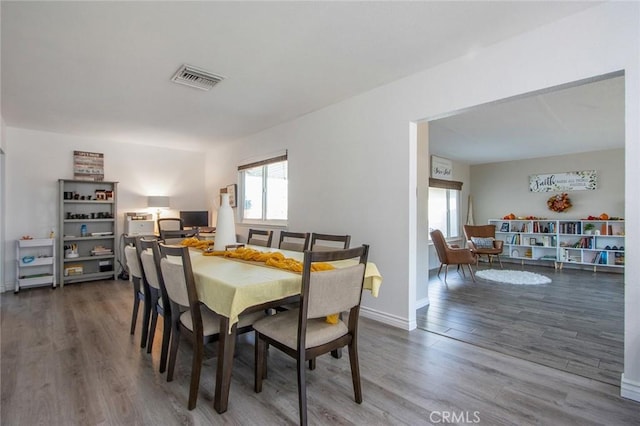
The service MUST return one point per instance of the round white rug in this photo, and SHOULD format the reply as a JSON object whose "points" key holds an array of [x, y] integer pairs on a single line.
{"points": [[513, 277]]}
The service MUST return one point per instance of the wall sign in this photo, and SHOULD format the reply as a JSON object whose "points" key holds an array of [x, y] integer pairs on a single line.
{"points": [[88, 165], [441, 168], [566, 181], [232, 190]]}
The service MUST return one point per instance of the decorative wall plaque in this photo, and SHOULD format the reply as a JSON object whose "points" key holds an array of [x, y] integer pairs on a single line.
{"points": [[441, 168], [566, 181], [88, 165]]}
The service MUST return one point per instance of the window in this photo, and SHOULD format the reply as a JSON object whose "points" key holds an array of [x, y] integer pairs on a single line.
{"points": [[444, 207], [264, 191]]}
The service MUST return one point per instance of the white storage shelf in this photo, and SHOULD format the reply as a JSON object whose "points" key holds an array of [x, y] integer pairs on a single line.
{"points": [[35, 263], [598, 243], [78, 208]]}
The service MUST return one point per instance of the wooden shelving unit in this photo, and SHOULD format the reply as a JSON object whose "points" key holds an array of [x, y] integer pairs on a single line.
{"points": [[88, 227]]}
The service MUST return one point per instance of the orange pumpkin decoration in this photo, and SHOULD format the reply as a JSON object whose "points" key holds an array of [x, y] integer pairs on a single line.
{"points": [[604, 216]]}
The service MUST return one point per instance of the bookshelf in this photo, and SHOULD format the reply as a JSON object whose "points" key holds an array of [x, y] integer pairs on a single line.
{"points": [[597, 243], [87, 215]]}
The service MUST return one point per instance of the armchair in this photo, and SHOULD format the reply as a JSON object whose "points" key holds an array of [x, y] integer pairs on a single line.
{"points": [[449, 255], [481, 239]]}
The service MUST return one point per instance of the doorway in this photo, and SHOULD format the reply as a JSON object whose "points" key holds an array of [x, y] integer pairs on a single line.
{"points": [[520, 321]]}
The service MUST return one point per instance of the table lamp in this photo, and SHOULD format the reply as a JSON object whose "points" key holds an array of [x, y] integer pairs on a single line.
{"points": [[158, 202]]}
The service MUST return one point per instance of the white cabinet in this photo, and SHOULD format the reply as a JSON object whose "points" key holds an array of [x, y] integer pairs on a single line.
{"points": [[87, 243], [35, 263], [599, 243]]}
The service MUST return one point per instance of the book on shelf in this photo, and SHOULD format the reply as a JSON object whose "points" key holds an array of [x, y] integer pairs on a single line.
{"points": [[584, 242], [597, 257], [547, 257], [101, 251]]}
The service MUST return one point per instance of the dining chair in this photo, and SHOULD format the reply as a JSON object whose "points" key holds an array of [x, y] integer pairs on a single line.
{"points": [[260, 237], [296, 241], [141, 292], [449, 255], [196, 322], [175, 236], [481, 239], [150, 259], [304, 333], [170, 224], [328, 242]]}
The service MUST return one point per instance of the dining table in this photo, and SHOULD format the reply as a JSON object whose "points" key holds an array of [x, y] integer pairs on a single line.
{"points": [[231, 287]]}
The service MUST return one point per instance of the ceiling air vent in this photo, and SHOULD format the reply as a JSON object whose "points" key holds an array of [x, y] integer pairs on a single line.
{"points": [[196, 77]]}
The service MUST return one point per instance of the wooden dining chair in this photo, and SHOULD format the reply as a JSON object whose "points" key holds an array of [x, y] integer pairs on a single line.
{"points": [[295, 241], [328, 242], [304, 333], [196, 322], [175, 236], [260, 237], [149, 253], [170, 224], [140, 292]]}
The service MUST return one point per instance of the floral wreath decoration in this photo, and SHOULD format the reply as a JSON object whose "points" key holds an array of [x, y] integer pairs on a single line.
{"points": [[559, 203]]}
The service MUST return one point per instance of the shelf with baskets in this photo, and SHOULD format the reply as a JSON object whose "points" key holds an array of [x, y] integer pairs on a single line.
{"points": [[35, 263], [87, 217], [598, 243]]}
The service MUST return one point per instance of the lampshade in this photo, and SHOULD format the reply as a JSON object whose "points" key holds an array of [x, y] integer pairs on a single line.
{"points": [[158, 201]]}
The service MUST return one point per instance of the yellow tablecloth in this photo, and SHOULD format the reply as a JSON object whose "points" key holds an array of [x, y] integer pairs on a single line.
{"points": [[228, 286]]}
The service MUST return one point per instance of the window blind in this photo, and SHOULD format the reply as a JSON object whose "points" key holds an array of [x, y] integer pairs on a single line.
{"points": [[270, 160], [445, 184]]}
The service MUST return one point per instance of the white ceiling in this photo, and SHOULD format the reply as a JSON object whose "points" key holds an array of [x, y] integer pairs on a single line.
{"points": [[102, 69], [587, 117]]}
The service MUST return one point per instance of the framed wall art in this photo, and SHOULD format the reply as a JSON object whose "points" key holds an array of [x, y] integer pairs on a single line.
{"points": [[88, 165], [232, 190]]}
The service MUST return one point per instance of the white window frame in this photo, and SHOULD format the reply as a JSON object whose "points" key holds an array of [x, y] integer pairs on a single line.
{"points": [[241, 191], [451, 187]]}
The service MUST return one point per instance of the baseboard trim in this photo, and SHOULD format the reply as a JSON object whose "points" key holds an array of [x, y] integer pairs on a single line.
{"points": [[629, 389], [421, 303], [385, 318]]}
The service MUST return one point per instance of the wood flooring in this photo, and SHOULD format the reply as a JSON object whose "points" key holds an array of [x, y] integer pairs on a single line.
{"points": [[575, 324], [68, 359]]}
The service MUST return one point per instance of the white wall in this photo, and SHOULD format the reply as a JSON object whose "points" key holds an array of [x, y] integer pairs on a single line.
{"points": [[2, 199], [503, 188], [36, 160], [352, 165]]}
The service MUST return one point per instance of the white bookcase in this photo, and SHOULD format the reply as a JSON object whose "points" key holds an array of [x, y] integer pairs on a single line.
{"points": [[35, 263], [597, 243]]}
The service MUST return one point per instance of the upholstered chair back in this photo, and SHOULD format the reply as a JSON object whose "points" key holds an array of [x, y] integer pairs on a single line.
{"points": [[133, 262], [334, 291]]}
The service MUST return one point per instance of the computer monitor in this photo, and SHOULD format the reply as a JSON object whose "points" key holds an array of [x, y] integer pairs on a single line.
{"points": [[195, 219]]}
